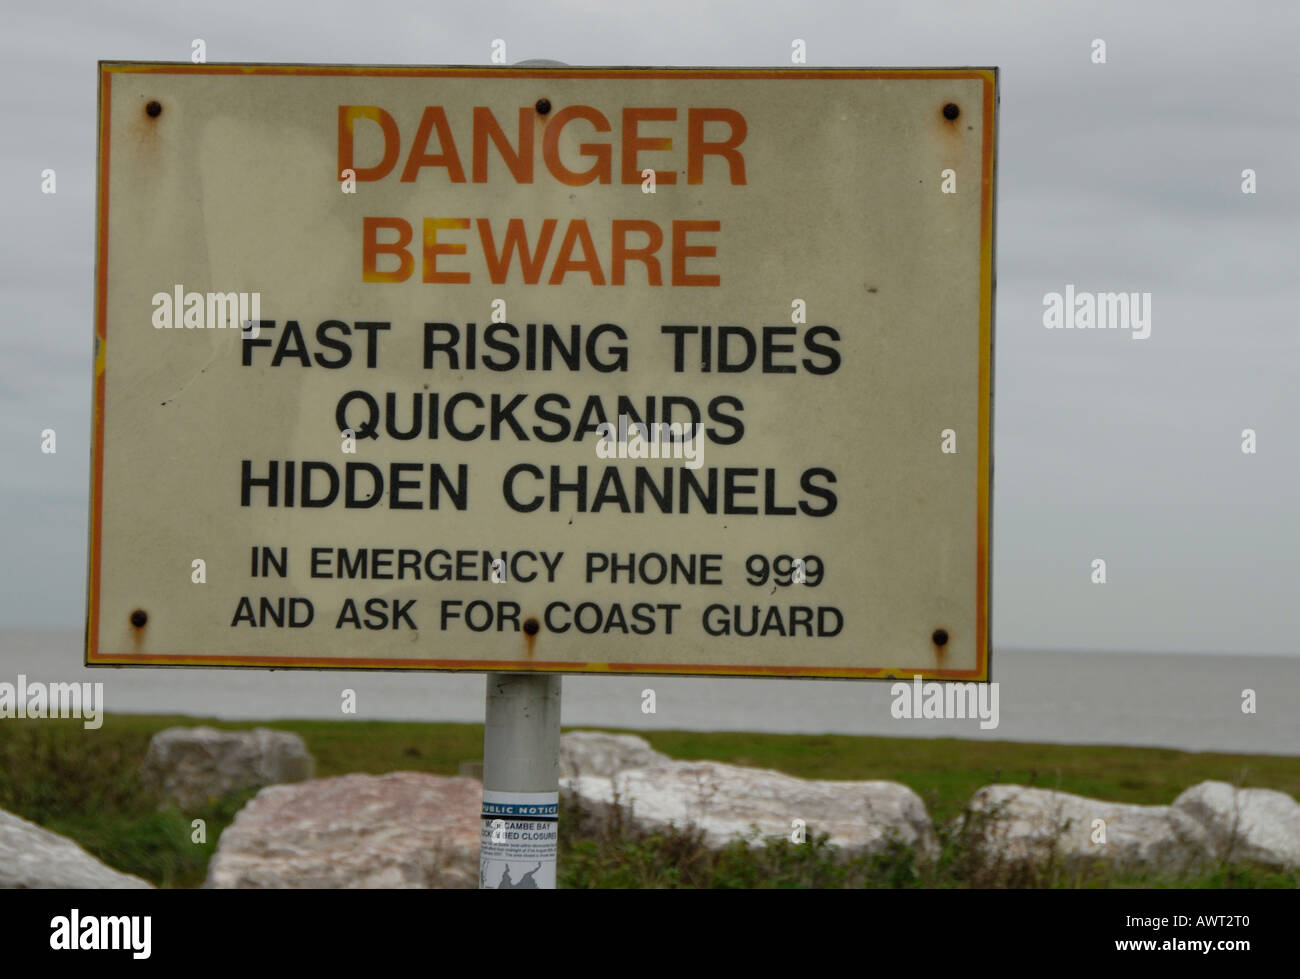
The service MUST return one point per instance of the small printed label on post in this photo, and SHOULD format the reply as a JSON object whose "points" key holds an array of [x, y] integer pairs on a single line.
{"points": [[519, 838]]}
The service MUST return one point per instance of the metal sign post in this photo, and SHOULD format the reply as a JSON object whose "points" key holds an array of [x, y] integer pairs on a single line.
{"points": [[521, 760]]}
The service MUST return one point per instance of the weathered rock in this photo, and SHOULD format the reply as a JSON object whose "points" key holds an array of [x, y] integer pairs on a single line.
{"points": [[727, 800], [1255, 825], [33, 857], [191, 765], [403, 829], [600, 753], [1017, 824]]}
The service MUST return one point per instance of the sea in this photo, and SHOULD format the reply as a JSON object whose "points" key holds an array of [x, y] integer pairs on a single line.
{"points": [[1191, 702]]}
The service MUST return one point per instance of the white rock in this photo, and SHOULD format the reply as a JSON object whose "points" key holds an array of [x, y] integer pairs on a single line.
{"points": [[191, 765], [600, 753], [33, 857], [403, 829], [1246, 825], [1015, 823], [728, 800]]}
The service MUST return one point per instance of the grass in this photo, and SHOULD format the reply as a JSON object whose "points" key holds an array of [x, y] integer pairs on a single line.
{"points": [[85, 785]]}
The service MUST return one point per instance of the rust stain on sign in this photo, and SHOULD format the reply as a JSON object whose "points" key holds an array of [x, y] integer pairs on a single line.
{"points": [[531, 629], [139, 619], [939, 638]]}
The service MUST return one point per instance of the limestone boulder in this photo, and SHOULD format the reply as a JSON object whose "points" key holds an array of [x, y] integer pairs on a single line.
{"points": [[600, 753], [1245, 825], [193, 765], [400, 830], [725, 801], [33, 857], [1015, 823]]}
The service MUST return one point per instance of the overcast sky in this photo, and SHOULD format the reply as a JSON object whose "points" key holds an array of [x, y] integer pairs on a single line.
{"points": [[1118, 176]]}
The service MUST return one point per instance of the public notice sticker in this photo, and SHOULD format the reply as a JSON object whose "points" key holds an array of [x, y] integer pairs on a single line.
{"points": [[577, 370], [519, 841]]}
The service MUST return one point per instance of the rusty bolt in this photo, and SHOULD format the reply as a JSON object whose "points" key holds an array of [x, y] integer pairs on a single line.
{"points": [[154, 108], [940, 637], [950, 111], [531, 626], [138, 618], [543, 106]]}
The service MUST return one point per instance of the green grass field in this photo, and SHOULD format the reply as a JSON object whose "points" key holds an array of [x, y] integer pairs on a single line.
{"points": [[85, 785]]}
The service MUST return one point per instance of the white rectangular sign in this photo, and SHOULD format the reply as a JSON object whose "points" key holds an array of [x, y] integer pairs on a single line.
{"points": [[581, 370]]}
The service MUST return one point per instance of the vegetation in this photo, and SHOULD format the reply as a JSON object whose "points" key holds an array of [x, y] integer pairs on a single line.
{"points": [[85, 785]]}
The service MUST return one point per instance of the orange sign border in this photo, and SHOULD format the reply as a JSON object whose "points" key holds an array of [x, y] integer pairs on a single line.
{"points": [[983, 571]]}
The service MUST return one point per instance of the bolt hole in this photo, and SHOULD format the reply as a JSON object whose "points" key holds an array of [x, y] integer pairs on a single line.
{"points": [[138, 618], [940, 637], [531, 627], [154, 108], [950, 111], [543, 106]]}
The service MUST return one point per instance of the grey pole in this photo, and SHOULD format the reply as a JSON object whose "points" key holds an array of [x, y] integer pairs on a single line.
{"points": [[521, 768], [521, 765]]}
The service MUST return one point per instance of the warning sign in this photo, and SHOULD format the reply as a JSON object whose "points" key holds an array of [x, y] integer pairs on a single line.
{"points": [[579, 370]]}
